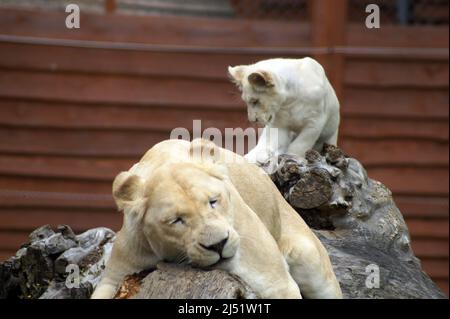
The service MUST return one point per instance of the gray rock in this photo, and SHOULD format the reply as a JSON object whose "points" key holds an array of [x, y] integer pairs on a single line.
{"points": [[39, 268]]}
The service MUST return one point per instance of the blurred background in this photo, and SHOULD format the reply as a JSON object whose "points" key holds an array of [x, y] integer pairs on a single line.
{"points": [[77, 106]]}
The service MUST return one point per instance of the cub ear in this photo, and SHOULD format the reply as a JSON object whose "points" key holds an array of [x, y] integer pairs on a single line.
{"points": [[236, 73], [127, 189], [261, 80]]}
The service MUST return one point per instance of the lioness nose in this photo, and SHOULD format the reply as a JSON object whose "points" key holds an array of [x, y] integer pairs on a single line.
{"points": [[217, 247]]}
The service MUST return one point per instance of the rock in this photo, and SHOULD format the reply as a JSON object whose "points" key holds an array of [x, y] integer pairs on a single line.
{"points": [[38, 270]]}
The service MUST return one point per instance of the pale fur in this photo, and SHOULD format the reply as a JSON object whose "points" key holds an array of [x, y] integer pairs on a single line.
{"points": [[293, 96], [269, 246]]}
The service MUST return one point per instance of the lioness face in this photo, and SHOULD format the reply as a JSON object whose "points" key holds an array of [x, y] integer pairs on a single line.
{"points": [[189, 217]]}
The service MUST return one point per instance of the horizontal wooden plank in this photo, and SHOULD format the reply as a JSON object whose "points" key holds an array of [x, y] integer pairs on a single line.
{"points": [[407, 74], [431, 12], [398, 36], [27, 219], [423, 206], [430, 248], [12, 240], [382, 53], [6, 254], [38, 199], [443, 285], [192, 31], [116, 143], [401, 103], [435, 268], [81, 89], [53, 58], [27, 113], [413, 181], [385, 128], [23, 113], [375, 152], [44, 184], [117, 89], [105, 169], [78, 143], [65, 167], [422, 228]]}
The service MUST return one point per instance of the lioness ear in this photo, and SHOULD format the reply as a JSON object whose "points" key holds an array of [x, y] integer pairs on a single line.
{"points": [[204, 150], [261, 80], [236, 73], [128, 189]]}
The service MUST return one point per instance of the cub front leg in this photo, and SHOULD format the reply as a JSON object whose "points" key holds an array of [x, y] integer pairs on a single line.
{"points": [[273, 141], [306, 139]]}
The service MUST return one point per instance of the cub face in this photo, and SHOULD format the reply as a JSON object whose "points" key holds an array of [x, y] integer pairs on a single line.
{"points": [[186, 216], [261, 91]]}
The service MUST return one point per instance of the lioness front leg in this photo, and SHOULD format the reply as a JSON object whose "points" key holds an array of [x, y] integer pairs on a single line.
{"points": [[258, 261], [309, 263], [311, 269], [266, 272], [124, 260]]}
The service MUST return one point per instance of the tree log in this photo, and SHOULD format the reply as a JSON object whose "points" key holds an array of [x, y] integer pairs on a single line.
{"points": [[170, 281]]}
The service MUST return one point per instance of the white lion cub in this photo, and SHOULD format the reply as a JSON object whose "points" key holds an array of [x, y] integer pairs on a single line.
{"points": [[294, 101]]}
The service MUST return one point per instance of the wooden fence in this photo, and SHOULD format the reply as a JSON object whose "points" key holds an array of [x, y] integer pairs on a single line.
{"points": [[79, 106]]}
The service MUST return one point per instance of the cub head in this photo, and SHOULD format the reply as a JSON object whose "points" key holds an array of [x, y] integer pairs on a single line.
{"points": [[261, 91], [184, 212]]}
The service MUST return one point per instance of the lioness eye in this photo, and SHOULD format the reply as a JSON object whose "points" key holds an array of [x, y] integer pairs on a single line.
{"points": [[254, 102], [213, 203], [177, 220]]}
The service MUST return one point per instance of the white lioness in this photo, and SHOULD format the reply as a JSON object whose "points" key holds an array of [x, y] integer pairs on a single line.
{"points": [[293, 96], [231, 216]]}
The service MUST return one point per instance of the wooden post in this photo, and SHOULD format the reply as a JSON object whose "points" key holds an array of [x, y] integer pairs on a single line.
{"points": [[328, 31], [110, 6]]}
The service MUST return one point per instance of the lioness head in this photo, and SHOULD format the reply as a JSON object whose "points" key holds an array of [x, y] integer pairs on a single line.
{"points": [[183, 210], [261, 91]]}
